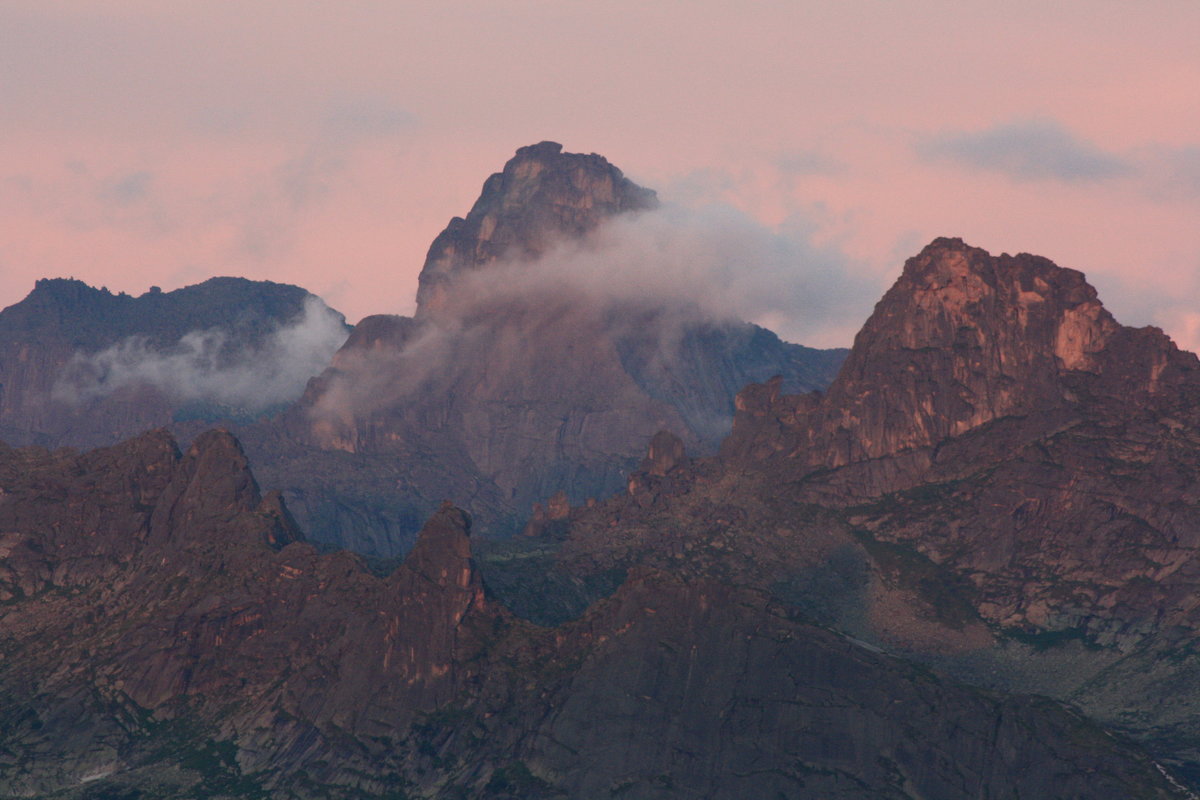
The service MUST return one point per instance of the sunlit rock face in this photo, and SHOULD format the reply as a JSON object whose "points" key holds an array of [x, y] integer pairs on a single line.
{"points": [[1057, 440], [961, 340], [991, 333], [1002, 480]]}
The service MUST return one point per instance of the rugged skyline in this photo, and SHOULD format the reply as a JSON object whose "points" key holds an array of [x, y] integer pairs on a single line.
{"points": [[546, 351], [161, 145], [998, 488]]}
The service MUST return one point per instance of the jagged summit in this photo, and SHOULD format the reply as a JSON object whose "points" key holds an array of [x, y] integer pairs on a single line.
{"points": [[992, 332], [542, 195], [963, 338]]}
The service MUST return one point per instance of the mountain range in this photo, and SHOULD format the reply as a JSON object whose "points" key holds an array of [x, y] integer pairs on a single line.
{"points": [[958, 561], [513, 381]]}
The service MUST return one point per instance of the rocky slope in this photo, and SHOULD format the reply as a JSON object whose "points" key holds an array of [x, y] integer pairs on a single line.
{"points": [[83, 367], [1001, 482], [165, 634], [513, 382]]}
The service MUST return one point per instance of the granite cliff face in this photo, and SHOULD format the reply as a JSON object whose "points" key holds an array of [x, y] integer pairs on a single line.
{"points": [[510, 385], [1005, 380], [165, 634], [962, 339]]}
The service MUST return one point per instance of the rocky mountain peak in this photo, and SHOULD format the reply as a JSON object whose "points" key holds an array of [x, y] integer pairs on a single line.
{"points": [[952, 294], [961, 339], [213, 490], [993, 334], [542, 195]]}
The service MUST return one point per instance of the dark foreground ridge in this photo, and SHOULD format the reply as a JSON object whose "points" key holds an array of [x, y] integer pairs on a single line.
{"points": [[166, 635]]}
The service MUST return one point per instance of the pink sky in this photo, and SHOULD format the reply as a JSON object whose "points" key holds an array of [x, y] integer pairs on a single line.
{"points": [[326, 144]]}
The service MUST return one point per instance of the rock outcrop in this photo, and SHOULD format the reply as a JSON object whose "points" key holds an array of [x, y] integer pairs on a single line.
{"points": [[165, 635], [962, 339], [1005, 380]]}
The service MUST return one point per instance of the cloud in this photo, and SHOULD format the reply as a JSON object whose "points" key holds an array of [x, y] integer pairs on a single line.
{"points": [[648, 282], [796, 163], [1173, 172], [307, 180], [360, 116], [127, 189], [1026, 150], [764, 182], [213, 365], [716, 261]]}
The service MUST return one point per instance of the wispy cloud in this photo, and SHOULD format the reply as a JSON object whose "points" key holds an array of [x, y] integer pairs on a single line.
{"points": [[1173, 172], [126, 189], [716, 260], [213, 365], [365, 116], [648, 278], [346, 124], [1028, 150]]}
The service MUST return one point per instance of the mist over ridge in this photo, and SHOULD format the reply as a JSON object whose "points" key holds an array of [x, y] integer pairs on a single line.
{"points": [[86, 367], [713, 263], [212, 365]]}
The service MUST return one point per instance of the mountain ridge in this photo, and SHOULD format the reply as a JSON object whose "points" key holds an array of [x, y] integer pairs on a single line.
{"points": [[997, 485], [227, 663], [85, 367]]}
